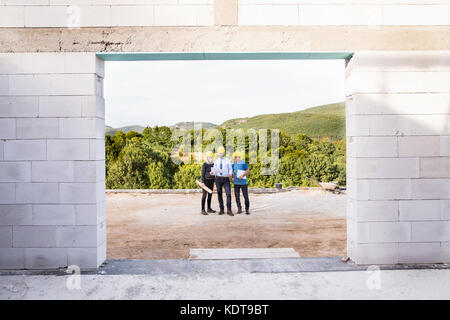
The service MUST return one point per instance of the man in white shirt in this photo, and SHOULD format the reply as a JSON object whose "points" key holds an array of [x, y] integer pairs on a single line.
{"points": [[223, 170]]}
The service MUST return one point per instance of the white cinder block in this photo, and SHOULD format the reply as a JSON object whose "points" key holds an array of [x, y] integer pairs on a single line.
{"points": [[25, 150], [418, 146], [78, 193], [397, 82], [83, 62], [445, 209], [45, 258], [77, 128], [445, 252], [60, 106], [68, 149], [430, 231], [30, 85], [49, 215], [376, 253], [73, 84], [83, 257], [34, 236], [368, 211], [12, 16], [426, 15], [16, 107], [37, 193], [10, 63], [6, 237], [367, 168], [4, 84], [413, 210], [87, 214], [48, 16], [95, 16], [430, 189], [392, 103], [89, 171], [52, 171], [268, 15], [15, 171], [76, 236], [340, 15], [358, 189], [390, 189], [205, 15], [445, 146], [7, 128], [37, 128], [435, 167], [132, 15], [97, 149], [11, 258], [15, 214], [357, 126], [43, 62], [93, 106], [394, 61], [174, 15], [372, 147], [401, 125], [380, 232], [419, 252], [7, 193], [101, 232]]}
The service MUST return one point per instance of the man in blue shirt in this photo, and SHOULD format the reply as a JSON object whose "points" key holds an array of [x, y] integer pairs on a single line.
{"points": [[240, 172]]}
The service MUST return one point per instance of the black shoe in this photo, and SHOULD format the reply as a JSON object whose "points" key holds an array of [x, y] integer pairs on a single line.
{"points": [[211, 210], [239, 211], [221, 212], [247, 212], [230, 213], [204, 213]]}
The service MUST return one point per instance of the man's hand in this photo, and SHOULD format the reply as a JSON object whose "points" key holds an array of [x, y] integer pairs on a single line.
{"points": [[241, 176]]}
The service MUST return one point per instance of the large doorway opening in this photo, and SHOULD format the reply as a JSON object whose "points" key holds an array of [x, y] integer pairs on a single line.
{"points": [[292, 104]]}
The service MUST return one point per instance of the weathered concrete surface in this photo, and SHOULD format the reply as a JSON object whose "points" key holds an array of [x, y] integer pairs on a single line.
{"points": [[226, 39], [387, 284]]}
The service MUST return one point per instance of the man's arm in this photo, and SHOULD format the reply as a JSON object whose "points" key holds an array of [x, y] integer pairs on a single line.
{"points": [[245, 173]]}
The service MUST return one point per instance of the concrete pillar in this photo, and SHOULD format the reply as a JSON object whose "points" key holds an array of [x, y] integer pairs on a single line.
{"points": [[398, 157], [52, 199]]}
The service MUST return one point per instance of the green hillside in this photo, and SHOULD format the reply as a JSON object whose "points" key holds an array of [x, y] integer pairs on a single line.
{"points": [[190, 125], [322, 121], [111, 131]]}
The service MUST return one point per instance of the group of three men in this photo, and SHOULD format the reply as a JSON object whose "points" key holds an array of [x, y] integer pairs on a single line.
{"points": [[220, 171]]}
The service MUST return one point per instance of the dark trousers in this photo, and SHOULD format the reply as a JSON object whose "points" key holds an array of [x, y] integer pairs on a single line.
{"points": [[210, 184], [225, 183], [237, 191]]}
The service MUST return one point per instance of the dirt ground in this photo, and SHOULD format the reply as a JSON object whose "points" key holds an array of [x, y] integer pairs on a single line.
{"points": [[166, 226]]}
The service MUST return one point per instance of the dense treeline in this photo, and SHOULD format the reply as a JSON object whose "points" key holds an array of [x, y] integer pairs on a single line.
{"points": [[143, 161]]}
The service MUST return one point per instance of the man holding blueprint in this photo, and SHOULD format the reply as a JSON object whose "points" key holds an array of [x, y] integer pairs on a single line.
{"points": [[240, 172]]}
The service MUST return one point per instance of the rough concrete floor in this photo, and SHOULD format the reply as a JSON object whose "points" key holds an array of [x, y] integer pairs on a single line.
{"points": [[293, 278], [394, 284], [167, 226]]}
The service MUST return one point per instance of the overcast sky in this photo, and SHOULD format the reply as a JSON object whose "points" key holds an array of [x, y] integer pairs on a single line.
{"points": [[166, 92]]}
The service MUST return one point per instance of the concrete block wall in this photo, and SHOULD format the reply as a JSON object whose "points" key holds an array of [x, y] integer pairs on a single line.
{"points": [[52, 172], [398, 159], [344, 12], [106, 13]]}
